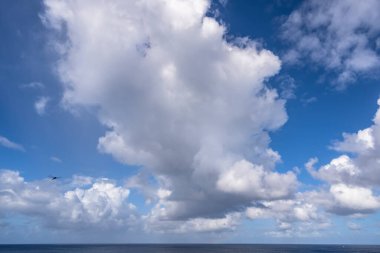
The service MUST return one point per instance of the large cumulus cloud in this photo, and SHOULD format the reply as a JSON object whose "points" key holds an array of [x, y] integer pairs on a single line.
{"points": [[188, 106]]}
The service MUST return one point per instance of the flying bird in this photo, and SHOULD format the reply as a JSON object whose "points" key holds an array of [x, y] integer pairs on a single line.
{"points": [[54, 177]]}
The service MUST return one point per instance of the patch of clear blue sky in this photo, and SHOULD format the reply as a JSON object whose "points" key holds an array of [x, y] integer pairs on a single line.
{"points": [[25, 58]]}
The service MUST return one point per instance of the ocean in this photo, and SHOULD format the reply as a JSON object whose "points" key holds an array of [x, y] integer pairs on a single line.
{"points": [[186, 248]]}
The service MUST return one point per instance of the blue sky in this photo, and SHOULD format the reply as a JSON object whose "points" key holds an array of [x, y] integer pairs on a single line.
{"points": [[193, 121]]}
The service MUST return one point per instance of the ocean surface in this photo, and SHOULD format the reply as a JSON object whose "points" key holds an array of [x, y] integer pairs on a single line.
{"points": [[186, 248]]}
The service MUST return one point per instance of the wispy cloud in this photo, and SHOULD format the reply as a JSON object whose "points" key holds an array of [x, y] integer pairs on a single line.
{"points": [[55, 159], [5, 142], [354, 226], [308, 100], [286, 86], [40, 105], [33, 85]]}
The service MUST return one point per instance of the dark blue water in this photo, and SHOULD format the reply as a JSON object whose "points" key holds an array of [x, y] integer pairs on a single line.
{"points": [[190, 248]]}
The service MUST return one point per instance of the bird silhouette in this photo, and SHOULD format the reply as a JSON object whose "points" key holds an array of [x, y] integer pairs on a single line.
{"points": [[53, 177]]}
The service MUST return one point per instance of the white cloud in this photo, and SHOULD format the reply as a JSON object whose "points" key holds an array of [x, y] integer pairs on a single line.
{"points": [[79, 181], [67, 205], [55, 159], [353, 177], [354, 226], [9, 177], [179, 100], [229, 222], [360, 142], [40, 105], [198, 225], [298, 217], [359, 165], [308, 100], [33, 85], [245, 178], [142, 182], [5, 142], [337, 35], [353, 199], [340, 169], [103, 203], [287, 86]]}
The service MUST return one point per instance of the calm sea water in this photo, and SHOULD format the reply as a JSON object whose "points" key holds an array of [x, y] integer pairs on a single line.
{"points": [[182, 248]]}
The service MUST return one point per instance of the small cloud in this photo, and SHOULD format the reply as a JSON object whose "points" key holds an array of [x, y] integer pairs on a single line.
{"points": [[55, 159], [286, 86], [296, 170], [223, 2], [40, 105], [354, 226], [81, 181], [10, 144], [33, 85], [308, 100]]}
